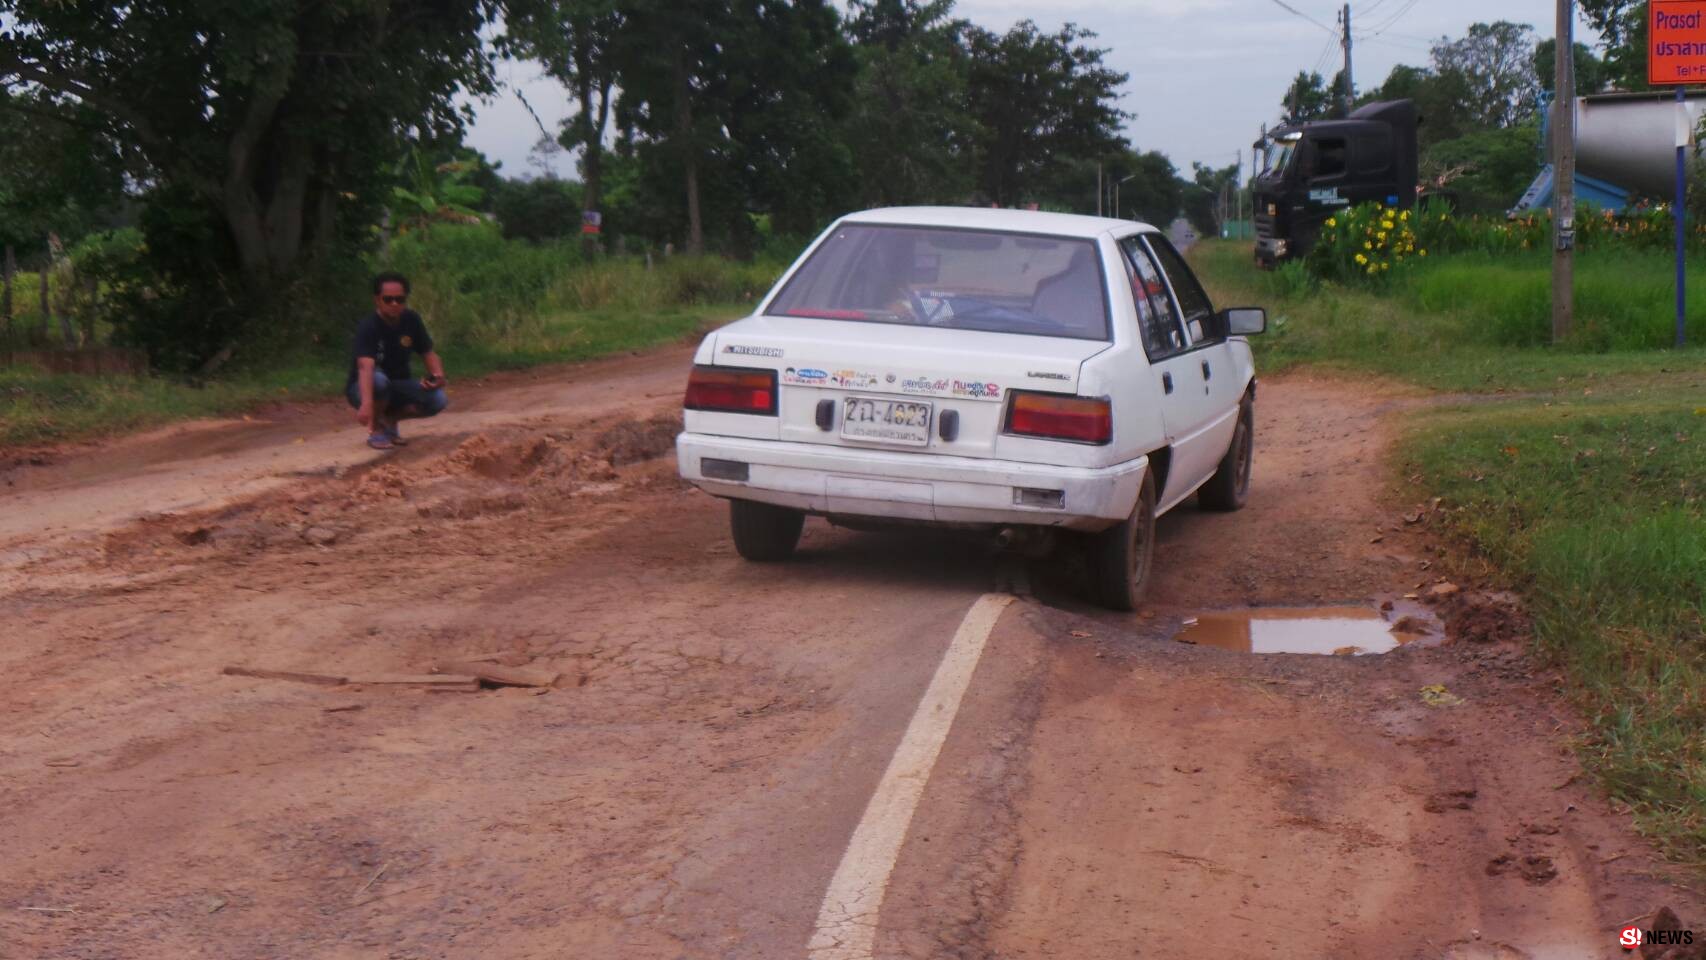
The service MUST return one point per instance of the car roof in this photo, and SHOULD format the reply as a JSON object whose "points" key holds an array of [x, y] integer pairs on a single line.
{"points": [[986, 218]]}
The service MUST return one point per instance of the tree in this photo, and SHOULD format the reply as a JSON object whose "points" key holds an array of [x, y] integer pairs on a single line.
{"points": [[1489, 169], [1496, 64], [262, 135], [1592, 73], [1622, 26], [1202, 193], [908, 127], [1309, 98], [59, 174], [576, 41], [1154, 193], [1037, 98], [1441, 99]]}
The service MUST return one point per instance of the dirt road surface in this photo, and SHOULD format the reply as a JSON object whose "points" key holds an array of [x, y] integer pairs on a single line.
{"points": [[691, 782]]}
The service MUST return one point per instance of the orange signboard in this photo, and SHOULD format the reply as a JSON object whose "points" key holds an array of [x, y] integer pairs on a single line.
{"points": [[1676, 45]]}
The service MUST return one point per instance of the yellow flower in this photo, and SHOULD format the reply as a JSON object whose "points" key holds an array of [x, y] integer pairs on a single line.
{"points": [[1367, 246], [1421, 253], [1372, 270], [1332, 222], [1386, 266], [1386, 224], [1404, 216], [1361, 259]]}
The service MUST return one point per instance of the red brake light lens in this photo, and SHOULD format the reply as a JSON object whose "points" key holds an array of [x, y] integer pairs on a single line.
{"points": [[1056, 417], [732, 390]]}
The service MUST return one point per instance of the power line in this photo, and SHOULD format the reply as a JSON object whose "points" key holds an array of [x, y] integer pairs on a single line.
{"points": [[1296, 12], [1393, 20]]}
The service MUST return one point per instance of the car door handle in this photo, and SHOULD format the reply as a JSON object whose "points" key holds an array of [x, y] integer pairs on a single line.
{"points": [[1167, 382], [1206, 372]]}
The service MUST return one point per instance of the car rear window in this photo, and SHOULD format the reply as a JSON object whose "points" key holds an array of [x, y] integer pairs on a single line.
{"points": [[956, 279]]}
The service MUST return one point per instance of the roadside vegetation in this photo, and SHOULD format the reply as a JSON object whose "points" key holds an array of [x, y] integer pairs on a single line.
{"points": [[492, 303], [1580, 481]]}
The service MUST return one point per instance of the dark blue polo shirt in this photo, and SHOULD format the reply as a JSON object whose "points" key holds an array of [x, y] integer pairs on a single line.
{"points": [[389, 345]]}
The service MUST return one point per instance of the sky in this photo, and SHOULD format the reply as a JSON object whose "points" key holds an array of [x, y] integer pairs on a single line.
{"points": [[1205, 74]]}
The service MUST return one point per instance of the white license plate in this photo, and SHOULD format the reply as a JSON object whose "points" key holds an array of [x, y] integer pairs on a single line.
{"points": [[891, 421]]}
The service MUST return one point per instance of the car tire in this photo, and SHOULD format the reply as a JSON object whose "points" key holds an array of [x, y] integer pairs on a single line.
{"points": [[1123, 558], [1229, 488], [764, 532]]}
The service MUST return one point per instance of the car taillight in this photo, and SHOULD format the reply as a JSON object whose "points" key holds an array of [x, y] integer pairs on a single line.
{"points": [[1057, 417], [732, 390]]}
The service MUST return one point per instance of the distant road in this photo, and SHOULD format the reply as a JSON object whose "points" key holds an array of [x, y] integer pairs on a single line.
{"points": [[1183, 235]]}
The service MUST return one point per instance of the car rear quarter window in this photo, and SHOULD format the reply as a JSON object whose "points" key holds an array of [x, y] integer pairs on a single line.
{"points": [[1163, 336], [1194, 304], [954, 279]]}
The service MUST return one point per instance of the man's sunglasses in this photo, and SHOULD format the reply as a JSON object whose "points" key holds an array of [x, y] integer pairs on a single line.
{"points": [[395, 299]]}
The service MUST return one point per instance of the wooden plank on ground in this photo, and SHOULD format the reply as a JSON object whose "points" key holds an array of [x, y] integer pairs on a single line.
{"points": [[499, 674], [426, 680], [321, 679]]}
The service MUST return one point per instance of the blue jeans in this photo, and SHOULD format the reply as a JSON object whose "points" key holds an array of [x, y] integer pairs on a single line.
{"points": [[395, 397]]}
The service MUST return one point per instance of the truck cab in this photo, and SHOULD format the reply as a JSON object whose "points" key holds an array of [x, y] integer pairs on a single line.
{"points": [[1310, 171]]}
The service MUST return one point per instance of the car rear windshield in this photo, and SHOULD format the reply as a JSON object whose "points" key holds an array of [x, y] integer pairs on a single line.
{"points": [[956, 279]]}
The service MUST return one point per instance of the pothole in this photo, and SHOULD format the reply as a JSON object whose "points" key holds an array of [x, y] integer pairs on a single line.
{"points": [[1327, 631]]}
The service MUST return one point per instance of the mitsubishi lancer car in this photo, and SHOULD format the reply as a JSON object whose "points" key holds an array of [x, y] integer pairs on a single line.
{"points": [[997, 369]]}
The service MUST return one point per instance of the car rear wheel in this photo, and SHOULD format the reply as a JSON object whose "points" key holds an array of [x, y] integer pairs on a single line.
{"points": [[764, 532], [1230, 486], [1121, 559]]}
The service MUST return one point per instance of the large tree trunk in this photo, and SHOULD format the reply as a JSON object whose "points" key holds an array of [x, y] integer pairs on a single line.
{"points": [[689, 154], [287, 210]]}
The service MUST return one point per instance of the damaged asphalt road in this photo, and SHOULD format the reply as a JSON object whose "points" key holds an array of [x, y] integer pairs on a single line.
{"points": [[689, 780]]}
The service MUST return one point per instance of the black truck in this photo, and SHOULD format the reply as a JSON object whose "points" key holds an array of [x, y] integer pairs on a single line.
{"points": [[1312, 170]]}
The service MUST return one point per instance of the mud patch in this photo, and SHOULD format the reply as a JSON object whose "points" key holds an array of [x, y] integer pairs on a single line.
{"points": [[1536, 869]]}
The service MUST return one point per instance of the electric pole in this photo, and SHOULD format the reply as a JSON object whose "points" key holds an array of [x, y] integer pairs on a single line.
{"points": [[1564, 175], [1350, 85]]}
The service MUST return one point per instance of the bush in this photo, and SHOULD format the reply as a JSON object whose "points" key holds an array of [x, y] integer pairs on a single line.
{"points": [[1364, 244]]}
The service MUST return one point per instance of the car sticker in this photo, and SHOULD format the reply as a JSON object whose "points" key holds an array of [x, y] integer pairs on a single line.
{"points": [[804, 377], [855, 379]]}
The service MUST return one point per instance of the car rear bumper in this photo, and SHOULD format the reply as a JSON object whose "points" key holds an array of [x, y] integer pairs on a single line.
{"points": [[844, 481]]}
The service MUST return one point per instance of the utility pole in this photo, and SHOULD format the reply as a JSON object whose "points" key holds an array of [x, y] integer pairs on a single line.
{"points": [[1098, 189], [1350, 85], [1238, 185], [1564, 176]]}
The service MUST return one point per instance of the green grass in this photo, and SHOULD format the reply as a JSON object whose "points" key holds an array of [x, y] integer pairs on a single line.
{"points": [[40, 408], [1470, 324], [1585, 489]]}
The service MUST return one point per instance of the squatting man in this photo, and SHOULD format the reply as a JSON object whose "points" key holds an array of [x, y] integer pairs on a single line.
{"points": [[380, 387]]}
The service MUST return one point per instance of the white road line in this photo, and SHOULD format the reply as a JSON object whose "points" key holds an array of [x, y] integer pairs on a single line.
{"points": [[847, 921]]}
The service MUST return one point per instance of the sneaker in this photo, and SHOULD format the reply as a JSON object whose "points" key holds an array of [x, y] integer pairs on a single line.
{"points": [[379, 441], [395, 437]]}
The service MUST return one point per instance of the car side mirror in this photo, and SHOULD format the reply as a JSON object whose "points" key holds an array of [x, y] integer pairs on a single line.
{"points": [[1243, 321]]}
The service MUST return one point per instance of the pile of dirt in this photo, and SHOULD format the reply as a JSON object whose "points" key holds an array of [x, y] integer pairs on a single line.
{"points": [[498, 460], [1474, 617], [636, 441], [384, 482], [530, 461]]}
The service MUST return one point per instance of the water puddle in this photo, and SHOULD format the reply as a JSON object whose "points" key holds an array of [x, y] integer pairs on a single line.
{"points": [[1331, 631]]}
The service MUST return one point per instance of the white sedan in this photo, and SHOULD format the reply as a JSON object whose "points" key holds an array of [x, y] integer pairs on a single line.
{"points": [[1003, 369]]}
